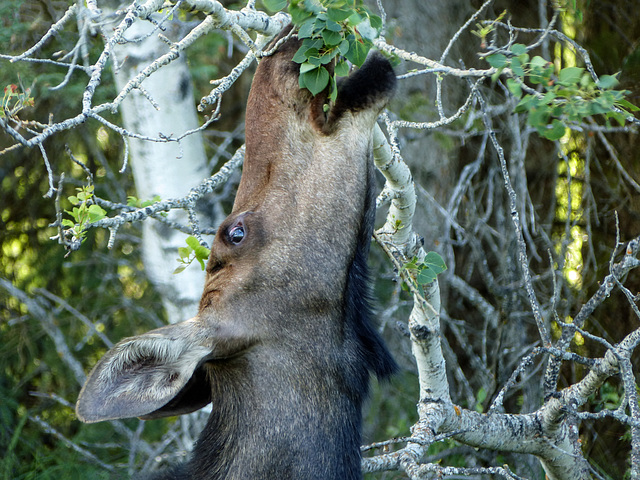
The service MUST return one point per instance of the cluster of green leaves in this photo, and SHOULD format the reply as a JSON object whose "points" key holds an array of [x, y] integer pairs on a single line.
{"points": [[566, 98], [84, 212], [15, 100], [193, 251], [426, 270], [332, 33], [138, 203]]}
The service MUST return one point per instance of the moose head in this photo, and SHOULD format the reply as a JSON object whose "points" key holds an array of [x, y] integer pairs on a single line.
{"points": [[282, 345]]}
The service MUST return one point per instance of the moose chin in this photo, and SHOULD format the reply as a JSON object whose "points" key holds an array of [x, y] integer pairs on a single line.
{"points": [[283, 345]]}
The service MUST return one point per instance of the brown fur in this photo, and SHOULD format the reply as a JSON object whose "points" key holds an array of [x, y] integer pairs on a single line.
{"points": [[282, 345]]}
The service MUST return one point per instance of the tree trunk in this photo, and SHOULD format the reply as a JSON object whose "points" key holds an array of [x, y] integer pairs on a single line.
{"points": [[168, 170]]}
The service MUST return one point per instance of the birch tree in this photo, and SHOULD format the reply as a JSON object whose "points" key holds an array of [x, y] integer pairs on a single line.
{"points": [[498, 305]]}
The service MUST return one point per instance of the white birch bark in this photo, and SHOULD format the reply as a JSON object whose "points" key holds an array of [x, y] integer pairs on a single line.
{"points": [[168, 170], [544, 433]]}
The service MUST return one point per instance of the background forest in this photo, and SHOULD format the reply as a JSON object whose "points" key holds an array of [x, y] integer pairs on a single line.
{"points": [[576, 190]]}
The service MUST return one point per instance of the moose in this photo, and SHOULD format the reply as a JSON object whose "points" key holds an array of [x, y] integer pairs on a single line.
{"points": [[282, 345]]}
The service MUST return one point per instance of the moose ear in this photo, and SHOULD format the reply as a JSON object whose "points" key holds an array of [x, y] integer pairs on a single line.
{"points": [[152, 375]]}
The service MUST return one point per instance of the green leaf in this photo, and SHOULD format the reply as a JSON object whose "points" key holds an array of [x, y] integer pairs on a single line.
{"points": [[538, 62], [192, 242], [570, 75], [333, 26], [541, 71], [627, 104], [599, 106], [342, 69], [426, 276], [497, 60], [328, 57], [605, 100], [315, 7], [180, 269], [526, 103], [275, 5], [307, 28], [74, 200], [564, 92], [621, 118], [435, 262], [586, 81], [313, 43], [306, 67], [354, 19], [549, 97], [539, 115], [514, 87], [357, 53], [516, 67], [338, 14], [201, 261], [376, 22], [298, 15], [331, 38], [343, 48], [429, 268], [518, 49], [184, 252], [496, 75], [607, 81], [315, 80], [411, 264], [67, 223], [556, 132], [334, 93], [315, 59], [202, 252], [300, 56], [96, 212], [480, 398]]}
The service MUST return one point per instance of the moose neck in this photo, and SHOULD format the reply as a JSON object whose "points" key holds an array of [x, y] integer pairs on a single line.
{"points": [[278, 417]]}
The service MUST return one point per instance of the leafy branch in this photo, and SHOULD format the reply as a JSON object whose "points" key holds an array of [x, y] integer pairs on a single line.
{"points": [[566, 98], [193, 251], [426, 270], [14, 100], [332, 32], [84, 212]]}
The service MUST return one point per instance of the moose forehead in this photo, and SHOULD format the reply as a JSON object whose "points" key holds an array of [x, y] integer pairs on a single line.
{"points": [[300, 202]]}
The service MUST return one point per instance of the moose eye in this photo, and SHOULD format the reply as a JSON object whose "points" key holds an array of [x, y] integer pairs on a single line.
{"points": [[236, 234]]}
